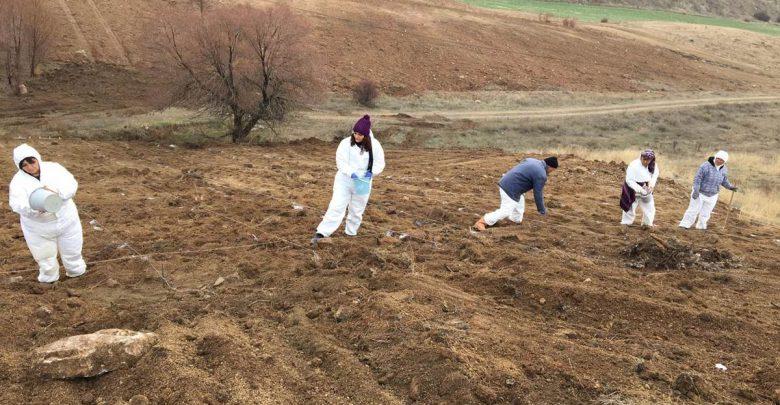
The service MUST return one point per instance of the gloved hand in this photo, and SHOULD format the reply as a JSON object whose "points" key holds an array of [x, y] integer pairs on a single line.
{"points": [[354, 176], [644, 192], [695, 195], [369, 175]]}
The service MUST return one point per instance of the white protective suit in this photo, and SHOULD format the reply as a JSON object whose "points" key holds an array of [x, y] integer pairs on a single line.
{"points": [[637, 173], [48, 233], [350, 159]]}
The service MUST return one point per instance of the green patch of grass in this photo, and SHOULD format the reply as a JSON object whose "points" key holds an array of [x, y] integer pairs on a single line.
{"points": [[593, 13]]}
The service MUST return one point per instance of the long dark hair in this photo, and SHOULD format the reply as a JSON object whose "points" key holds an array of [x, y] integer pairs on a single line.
{"points": [[364, 146]]}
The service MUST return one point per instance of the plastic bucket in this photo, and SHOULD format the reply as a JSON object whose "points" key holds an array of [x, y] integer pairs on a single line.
{"points": [[44, 200], [362, 186]]}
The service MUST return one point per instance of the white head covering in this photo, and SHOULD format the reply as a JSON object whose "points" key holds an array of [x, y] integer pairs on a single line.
{"points": [[24, 151], [722, 154]]}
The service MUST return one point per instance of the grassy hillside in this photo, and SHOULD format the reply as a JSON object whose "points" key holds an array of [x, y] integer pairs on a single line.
{"points": [[595, 13], [724, 8]]}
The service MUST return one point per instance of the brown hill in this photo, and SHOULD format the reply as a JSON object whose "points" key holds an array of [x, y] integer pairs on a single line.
{"points": [[411, 45]]}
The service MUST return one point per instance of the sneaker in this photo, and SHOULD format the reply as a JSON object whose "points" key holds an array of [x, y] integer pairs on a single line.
{"points": [[480, 225]]}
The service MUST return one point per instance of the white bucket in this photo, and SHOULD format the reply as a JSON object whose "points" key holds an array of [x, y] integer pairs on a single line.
{"points": [[44, 200]]}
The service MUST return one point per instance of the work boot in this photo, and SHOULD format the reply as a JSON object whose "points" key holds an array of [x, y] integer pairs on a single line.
{"points": [[480, 225]]}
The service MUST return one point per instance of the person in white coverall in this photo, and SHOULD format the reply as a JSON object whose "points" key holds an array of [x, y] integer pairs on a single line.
{"points": [[358, 158], [711, 176], [641, 178], [47, 233]]}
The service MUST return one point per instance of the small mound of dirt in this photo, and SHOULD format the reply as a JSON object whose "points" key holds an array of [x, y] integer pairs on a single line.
{"points": [[658, 254]]}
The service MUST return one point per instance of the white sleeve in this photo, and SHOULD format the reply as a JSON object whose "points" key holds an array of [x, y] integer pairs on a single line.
{"points": [[19, 201], [654, 177], [630, 176], [379, 157], [66, 183], [342, 157]]}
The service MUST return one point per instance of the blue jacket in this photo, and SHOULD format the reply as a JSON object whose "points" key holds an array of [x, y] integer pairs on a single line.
{"points": [[709, 178], [529, 174]]}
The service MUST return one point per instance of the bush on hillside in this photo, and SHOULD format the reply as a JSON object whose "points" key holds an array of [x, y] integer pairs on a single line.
{"points": [[545, 18], [762, 16], [366, 92], [605, 20], [570, 22]]}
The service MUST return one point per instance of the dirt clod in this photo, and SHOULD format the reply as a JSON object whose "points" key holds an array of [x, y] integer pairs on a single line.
{"points": [[692, 386], [671, 254]]}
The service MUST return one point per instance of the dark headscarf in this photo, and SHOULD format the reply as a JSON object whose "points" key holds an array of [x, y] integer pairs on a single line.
{"points": [[651, 155]]}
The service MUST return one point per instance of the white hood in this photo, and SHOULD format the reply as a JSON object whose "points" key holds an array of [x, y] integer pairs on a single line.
{"points": [[24, 151]]}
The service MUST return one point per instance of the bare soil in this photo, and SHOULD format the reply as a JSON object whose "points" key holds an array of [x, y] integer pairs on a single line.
{"points": [[550, 311], [410, 46]]}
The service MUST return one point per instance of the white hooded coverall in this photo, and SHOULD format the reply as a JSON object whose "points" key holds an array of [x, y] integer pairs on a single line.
{"points": [[350, 159], [48, 233], [637, 173]]}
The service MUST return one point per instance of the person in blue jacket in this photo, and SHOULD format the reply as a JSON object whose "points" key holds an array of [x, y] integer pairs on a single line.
{"points": [[530, 174]]}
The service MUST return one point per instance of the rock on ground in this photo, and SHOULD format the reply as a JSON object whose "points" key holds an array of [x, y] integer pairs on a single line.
{"points": [[93, 354]]}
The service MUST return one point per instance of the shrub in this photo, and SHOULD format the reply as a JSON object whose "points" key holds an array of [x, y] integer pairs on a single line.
{"points": [[545, 18], [605, 20], [570, 22], [366, 92], [762, 16]]}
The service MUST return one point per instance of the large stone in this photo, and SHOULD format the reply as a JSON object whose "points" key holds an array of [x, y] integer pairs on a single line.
{"points": [[93, 354]]}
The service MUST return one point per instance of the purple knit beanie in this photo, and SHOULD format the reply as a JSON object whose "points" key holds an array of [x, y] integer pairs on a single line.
{"points": [[363, 126]]}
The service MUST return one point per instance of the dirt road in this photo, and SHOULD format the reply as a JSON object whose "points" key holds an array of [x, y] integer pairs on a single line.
{"points": [[634, 107]]}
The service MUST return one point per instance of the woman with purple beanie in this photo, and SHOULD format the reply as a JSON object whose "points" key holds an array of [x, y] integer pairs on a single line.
{"points": [[358, 159]]}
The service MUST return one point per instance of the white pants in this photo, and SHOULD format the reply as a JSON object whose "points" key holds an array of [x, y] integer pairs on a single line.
{"points": [[509, 209], [344, 198], [46, 239], [647, 204], [701, 207]]}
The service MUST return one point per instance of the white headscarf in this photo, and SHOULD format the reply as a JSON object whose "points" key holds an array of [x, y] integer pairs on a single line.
{"points": [[722, 154]]}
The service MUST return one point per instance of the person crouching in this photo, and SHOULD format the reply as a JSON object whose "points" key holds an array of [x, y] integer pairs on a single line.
{"points": [[530, 174]]}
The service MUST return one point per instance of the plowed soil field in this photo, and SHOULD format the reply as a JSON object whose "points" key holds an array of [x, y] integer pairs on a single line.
{"points": [[210, 249]]}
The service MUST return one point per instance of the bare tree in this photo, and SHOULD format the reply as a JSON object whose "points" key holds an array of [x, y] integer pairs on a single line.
{"points": [[247, 63], [12, 43], [38, 30], [203, 5], [26, 28]]}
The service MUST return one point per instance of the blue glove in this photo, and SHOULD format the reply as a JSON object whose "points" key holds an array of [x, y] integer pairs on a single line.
{"points": [[369, 175], [695, 195], [354, 176]]}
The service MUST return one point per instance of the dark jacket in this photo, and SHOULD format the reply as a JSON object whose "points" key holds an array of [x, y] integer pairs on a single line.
{"points": [[529, 174]]}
